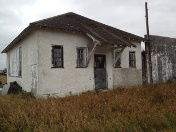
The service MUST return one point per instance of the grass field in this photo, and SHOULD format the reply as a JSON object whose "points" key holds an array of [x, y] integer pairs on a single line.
{"points": [[140, 108], [3, 79]]}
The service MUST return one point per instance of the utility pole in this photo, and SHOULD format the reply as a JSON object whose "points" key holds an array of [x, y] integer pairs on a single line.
{"points": [[147, 44]]}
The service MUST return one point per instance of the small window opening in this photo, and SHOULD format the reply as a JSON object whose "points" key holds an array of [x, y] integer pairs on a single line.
{"points": [[118, 62], [132, 60], [15, 62], [81, 57], [57, 56], [20, 61]]}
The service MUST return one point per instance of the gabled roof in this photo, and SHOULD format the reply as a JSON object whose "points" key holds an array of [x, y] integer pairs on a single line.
{"points": [[70, 21]]}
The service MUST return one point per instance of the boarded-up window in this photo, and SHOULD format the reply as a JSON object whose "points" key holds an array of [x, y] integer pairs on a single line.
{"points": [[81, 57], [57, 56], [132, 59], [118, 62], [15, 62]]}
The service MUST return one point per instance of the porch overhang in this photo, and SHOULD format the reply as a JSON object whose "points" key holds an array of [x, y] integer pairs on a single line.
{"points": [[96, 42], [121, 51]]}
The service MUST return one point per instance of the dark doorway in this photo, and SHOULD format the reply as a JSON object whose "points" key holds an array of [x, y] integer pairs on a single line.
{"points": [[100, 71]]}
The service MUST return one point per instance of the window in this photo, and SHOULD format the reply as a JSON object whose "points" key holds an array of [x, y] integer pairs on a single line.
{"points": [[9, 65], [57, 56], [100, 61], [118, 62], [20, 61], [15, 62], [81, 57], [132, 59]]}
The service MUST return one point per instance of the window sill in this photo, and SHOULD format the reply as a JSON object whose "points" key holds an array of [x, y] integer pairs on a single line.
{"points": [[118, 67], [57, 67], [82, 67], [15, 76], [132, 67]]}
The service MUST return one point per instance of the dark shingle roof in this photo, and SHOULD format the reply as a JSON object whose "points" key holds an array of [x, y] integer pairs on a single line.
{"points": [[74, 22]]}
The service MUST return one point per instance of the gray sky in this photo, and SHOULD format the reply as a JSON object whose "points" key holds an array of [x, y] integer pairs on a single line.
{"points": [[127, 15]]}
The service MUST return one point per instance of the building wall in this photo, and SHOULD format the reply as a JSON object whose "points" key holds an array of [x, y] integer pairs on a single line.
{"points": [[29, 57], [39, 77], [63, 81], [163, 54], [126, 76], [67, 80]]}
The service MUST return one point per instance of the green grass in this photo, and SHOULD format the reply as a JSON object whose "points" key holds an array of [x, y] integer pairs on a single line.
{"points": [[140, 108]]}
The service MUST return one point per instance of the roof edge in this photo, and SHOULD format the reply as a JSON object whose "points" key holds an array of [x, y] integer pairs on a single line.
{"points": [[18, 38], [34, 24]]}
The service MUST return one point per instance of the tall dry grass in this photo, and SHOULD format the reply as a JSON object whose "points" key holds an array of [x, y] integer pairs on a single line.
{"points": [[141, 108], [3, 79]]}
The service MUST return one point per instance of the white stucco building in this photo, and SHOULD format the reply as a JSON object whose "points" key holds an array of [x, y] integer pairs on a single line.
{"points": [[70, 53]]}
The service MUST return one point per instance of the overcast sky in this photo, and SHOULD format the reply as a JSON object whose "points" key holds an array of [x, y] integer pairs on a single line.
{"points": [[127, 15]]}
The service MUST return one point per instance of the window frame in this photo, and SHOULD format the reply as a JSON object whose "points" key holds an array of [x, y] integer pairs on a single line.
{"points": [[133, 60], [20, 62], [19, 59], [115, 51], [84, 55], [9, 65], [53, 57]]}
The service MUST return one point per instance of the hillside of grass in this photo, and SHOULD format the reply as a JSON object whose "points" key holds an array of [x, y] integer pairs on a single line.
{"points": [[140, 108]]}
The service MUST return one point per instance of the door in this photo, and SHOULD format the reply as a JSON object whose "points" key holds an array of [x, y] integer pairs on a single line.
{"points": [[100, 71]]}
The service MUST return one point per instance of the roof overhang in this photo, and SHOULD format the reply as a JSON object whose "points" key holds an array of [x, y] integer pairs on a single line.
{"points": [[26, 31], [18, 38], [98, 32]]}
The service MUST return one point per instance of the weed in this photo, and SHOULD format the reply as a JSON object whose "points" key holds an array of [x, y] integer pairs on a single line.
{"points": [[140, 108]]}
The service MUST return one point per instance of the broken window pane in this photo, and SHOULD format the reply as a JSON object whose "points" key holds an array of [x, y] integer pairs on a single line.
{"points": [[81, 57], [132, 59], [99, 61], [118, 62], [57, 56]]}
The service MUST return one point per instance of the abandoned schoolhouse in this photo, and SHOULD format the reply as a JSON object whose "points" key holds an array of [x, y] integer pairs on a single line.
{"points": [[70, 53]]}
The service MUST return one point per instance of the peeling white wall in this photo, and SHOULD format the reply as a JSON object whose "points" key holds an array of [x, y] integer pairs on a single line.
{"points": [[163, 54], [154, 60], [126, 76], [123, 76], [34, 79], [166, 68], [29, 57], [62, 81], [47, 81], [161, 64]]}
